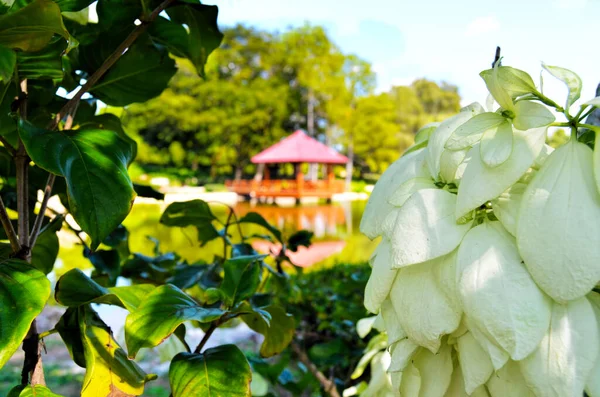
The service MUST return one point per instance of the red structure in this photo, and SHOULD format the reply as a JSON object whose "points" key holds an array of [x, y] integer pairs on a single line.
{"points": [[296, 149]]}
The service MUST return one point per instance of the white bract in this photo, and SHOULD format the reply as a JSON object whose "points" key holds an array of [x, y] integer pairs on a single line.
{"points": [[558, 218], [497, 292], [487, 273]]}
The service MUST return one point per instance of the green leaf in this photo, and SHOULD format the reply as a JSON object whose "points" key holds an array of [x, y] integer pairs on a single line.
{"points": [[257, 219], [242, 277], [142, 73], [186, 276], [187, 213], [107, 365], [24, 291], [8, 60], [203, 37], [161, 312], [73, 5], [277, 336], [106, 262], [94, 165], [221, 371], [45, 251], [109, 121], [8, 125], [32, 391], [43, 64], [515, 82], [129, 10], [192, 213], [571, 79], [74, 289], [300, 238], [31, 28], [148, 191]]}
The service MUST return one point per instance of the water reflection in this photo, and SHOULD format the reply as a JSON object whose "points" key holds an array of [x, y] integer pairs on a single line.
{"points": [[335, 224]]}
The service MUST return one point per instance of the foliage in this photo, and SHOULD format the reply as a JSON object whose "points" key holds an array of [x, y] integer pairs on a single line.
{"points": [[297, 79], [485, 281], [326, 312], [61, 147]]}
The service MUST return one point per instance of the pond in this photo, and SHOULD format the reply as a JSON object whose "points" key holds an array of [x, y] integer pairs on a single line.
{"points": [[335, 227]]}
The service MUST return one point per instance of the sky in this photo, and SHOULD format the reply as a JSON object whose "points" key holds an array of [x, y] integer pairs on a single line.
{"points": [[445, 40]]}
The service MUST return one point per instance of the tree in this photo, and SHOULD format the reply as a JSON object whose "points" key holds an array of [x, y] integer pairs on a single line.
{"points": [[377, 139], [63, 148], [218, 122]]}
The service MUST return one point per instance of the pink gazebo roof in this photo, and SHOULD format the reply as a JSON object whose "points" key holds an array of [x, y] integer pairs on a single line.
{"points": [[300, 148]]}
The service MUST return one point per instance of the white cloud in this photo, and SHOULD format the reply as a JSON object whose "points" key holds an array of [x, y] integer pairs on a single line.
{"points": [[482, 25]]}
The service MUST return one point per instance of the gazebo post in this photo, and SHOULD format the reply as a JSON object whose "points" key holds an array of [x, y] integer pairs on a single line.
{"points": [[330, 181], [299, 181]]}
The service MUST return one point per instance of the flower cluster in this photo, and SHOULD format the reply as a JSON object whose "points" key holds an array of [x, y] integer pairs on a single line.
{"points": [[484, 279]]}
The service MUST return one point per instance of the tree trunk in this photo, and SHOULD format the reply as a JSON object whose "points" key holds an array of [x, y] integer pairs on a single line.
{"points": [[313, 170], [350, 166], [238, 172]]}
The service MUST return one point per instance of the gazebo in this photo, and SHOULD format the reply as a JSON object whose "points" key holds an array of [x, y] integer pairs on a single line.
{"points": [[296, 149]]}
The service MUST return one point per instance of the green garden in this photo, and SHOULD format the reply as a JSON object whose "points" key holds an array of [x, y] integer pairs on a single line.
{"points": [[154, 244]]}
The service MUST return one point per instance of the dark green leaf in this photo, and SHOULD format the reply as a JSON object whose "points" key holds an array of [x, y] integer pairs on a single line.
{"points": [[327, 352], [24, 291], [8, 125], [94, 165], [242, 277], [187, 213], [74, 289], [155, 270], [148, 191], [31, 28], [116, 237], [257, 219], [106, 262], [242, 249], [180, 334], [221, 371], [161, 312], [203, 37], [32, 391], [186, 276], [69, 330], [139, 75], [300, 238], [8, 60], [43, 64], [207, 233], [129, 11], [73, 5], [45, 251], [277, 336]]}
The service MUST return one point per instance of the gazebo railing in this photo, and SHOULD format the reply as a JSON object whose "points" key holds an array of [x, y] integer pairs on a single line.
{"points": [[286, 188]]}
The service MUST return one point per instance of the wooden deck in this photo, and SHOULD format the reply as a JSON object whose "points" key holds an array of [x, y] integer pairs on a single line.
{"points": [[287, 188]]}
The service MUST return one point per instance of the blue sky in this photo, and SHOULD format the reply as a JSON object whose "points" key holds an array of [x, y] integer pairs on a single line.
{"points": [[445, 40]]}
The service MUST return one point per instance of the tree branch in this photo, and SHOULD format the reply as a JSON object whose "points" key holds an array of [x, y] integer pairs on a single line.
{"points": [[37, 225], [108, 63], [327, 384], [8, 228], [8, 146], [206, 337]]}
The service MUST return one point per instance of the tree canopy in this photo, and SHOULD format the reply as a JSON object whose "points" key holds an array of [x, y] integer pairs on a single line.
{"points": [[260, 86]]}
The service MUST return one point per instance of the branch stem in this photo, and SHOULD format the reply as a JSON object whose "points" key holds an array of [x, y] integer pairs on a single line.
{"points": [[108, 63], [327, 384], [8, 228], [37, 225], [206, 336]]}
